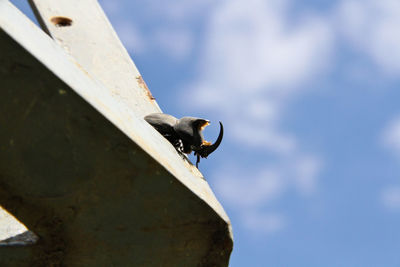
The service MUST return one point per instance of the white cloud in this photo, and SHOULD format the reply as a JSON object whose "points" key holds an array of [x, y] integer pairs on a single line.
{"points": [[253, 62], [391, 197], [248, 192], [372, 26], [111, 8], [257, 187], [306, 170], [255, 59], [131, 37], [264, 137], [391, 136], [181, 10], [173, 39], [251, 191], [176, 43], [248, 188], [267, 223]]}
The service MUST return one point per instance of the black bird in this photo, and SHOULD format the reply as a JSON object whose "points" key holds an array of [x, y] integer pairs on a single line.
{"points": [[185, 134]]}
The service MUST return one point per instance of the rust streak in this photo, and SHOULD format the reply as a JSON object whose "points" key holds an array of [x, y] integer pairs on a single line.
{"points": [[142, 84]]}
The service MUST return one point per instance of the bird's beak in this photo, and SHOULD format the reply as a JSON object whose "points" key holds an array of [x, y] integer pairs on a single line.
{"points": [[204, 125], [201, 128], [207, 147]]}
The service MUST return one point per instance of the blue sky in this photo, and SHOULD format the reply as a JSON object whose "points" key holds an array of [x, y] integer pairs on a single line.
{"points": [[308, 93]]}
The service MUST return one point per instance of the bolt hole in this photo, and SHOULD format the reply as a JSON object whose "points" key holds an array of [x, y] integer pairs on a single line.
{"points": [[61, 21]]}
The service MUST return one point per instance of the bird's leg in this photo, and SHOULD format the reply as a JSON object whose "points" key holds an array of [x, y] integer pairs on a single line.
{"points": [[197, 161]]}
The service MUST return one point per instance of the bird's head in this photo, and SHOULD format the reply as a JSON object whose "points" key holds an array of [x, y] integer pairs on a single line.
{"points": [[190, 129]]}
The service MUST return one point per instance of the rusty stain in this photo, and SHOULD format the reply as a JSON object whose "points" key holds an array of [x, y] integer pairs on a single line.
{"points": [[142, 84]]}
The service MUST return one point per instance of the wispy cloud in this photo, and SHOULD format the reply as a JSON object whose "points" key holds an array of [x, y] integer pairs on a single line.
{"points": [[131, 37], [391, 197], [248, 188], [254, 187], [169, 32], [252, 191], [261, 222], [306, 170], [253, 63], [391, 136], [176, 43], [372, 27], [181, 11]]}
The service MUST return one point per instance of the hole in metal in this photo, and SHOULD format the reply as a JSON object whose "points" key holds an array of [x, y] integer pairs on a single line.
{"points": [[61, 21]]}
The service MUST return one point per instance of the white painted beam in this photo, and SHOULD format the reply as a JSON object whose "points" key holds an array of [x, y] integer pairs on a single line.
{"points": [[120, 113], [82, 29]]}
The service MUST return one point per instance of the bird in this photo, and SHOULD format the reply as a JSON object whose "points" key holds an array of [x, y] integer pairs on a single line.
{"points": [[185, 134]]}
